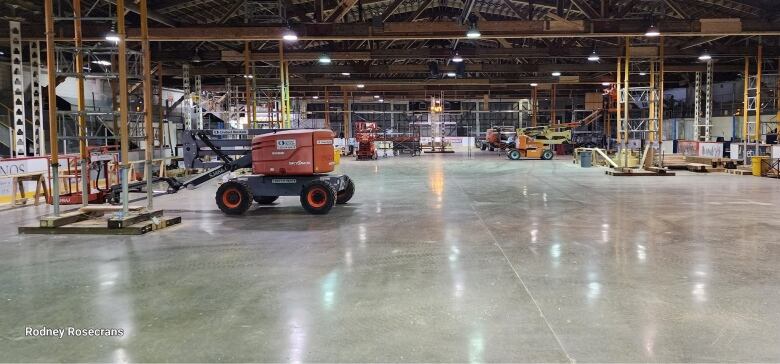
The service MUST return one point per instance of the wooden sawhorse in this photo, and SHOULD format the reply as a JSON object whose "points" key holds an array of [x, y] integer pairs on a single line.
{"points": [[18, 196]]}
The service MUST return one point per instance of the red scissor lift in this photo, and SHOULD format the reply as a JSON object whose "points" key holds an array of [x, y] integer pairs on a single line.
{"points": [[365, 134], [103, 162]]}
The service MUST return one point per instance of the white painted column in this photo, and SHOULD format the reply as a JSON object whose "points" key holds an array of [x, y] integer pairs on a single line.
{"points": [[39, 142], [17, 80]]}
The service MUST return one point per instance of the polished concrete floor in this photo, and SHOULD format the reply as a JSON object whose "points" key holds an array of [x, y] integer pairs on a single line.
{"points": [[439, 258]]}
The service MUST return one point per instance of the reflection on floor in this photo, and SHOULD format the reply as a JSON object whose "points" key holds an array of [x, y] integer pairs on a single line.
{"points": [[437, 258]]}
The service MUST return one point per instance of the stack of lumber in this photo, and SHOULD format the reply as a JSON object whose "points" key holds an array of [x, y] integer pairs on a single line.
{"points": [[709, 164], [703, 168], [675, 161], [714, 162], [741, 171]]}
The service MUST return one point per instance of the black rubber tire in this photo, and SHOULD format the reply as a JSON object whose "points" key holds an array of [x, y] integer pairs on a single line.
{"points": [[344, 196], [483, 147], [234, 197], [266, 200], [547, 155], [490, 149], [318, 197], [513, 154]]}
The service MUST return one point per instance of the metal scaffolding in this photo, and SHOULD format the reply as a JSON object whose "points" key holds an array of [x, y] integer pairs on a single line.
{"points": [[39, 145], [702, 126], [102, 62], [751, 129], [187, 103], [17, 80], [640, 108], [197, 101]]}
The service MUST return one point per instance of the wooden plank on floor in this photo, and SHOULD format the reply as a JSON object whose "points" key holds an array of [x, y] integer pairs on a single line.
{"points": [[63, 219], [101, 229], [739, 172], [637, 173], [108, 208], [132, 219]]}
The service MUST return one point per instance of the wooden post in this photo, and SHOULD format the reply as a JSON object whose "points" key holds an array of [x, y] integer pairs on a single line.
{"points": [[345, 110], [327, 108], [534, 106], [661, 94], [52, 94], [618, 103], [651, 100], [148, 103], [553, 95], [124, 141], [283, 117], [160, 123], [626, 87], [745, 104], [250, 117], [81, 105], [759, 70]]}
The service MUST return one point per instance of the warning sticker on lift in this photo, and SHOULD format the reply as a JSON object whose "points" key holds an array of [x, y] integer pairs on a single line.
{"points": [[230, 132], [325, 141], [285, 144], [283, 180]]}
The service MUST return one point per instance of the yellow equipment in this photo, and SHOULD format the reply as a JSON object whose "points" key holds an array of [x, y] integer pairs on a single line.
{"points": [[528, 147], [547, 135]]}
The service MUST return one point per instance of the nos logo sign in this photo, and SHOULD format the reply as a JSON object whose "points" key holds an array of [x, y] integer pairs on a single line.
{"points": [[285, 144]]}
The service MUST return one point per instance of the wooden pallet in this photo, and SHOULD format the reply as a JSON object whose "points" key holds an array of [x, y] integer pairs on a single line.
{"points": [[703, 168], [94, 222], [739, 172], [713, 162]]}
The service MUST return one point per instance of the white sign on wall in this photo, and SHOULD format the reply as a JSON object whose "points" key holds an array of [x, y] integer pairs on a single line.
{"points": [[714, 150]]}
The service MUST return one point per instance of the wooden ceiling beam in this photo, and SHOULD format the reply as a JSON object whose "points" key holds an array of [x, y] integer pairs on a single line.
{"points": [[449, 30]]}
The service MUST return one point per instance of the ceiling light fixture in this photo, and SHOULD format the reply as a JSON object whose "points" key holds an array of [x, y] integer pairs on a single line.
{"points": [[643, 73], [534, 84], [345, 73], [360, 85], [593, 57], [705, 56], [381, 100], [376, 96], [315, 97], [324, 58], [652, 31], [473, 32], [112, 35], [451, 74], [289, 35], [605, 84], [556, 74], [102, 62], [457, 58]]}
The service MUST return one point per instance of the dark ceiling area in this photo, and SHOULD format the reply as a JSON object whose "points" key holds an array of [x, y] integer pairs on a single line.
{"points": [[408, 46]]}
